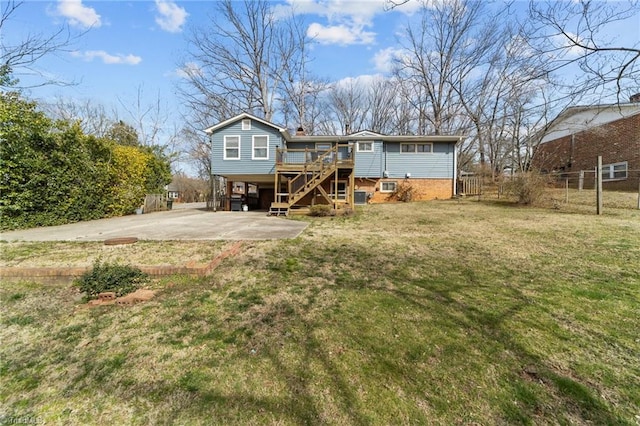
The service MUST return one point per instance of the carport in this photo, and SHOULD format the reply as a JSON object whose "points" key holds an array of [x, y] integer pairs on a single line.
{"points": [[239, 193]]}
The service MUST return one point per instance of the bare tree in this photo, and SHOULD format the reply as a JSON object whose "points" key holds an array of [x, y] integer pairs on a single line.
{"points": [[382, 100], [449, 43], [504, 83], [315, 112], [564, 33], [346, 107], [148, 118], [20, 58], [243, 59], [92, 116], [298, 90]]}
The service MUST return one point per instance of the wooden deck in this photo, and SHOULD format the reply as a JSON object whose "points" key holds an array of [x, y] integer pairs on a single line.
{"points": [[301, 173]]}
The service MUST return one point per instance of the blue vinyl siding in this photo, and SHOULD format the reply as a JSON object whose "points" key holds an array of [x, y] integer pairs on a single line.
{"points": [[436, 164], [386, 156], [245, 164], [370, 164]]}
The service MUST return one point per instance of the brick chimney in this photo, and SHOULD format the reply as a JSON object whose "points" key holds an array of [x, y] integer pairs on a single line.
{"points": [[634, 98], [300, 131]]}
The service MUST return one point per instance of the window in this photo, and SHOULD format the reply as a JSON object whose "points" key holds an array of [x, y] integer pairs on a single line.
{"points": [[232, 147], [411, 148], [407, 147], [260, 148], [387, 186], [246, 124], [365, 146], [616, 171]]}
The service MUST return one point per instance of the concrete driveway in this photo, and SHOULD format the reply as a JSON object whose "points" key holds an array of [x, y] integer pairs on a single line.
{"points": [[185, 222]]}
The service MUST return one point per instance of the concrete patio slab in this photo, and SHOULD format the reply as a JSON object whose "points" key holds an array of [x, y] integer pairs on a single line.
{"points": [[178, 224]]}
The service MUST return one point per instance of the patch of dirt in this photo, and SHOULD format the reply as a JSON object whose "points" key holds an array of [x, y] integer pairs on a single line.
{"points": [[109, 298], [121, 240]]}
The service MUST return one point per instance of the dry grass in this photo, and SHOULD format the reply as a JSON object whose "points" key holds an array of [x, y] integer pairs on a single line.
{"points": [[70, 254], [572, 201], [457, 312]]}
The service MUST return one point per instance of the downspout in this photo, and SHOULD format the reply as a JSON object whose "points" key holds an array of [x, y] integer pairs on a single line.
{"points": [[384, 152], [455, 167], [212, 175]]}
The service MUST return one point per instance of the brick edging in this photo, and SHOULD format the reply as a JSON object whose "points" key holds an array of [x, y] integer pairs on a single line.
{"points": [[67, 273]]}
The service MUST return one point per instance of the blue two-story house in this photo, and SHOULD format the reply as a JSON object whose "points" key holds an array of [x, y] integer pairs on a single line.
{"points": [[296, 171]]}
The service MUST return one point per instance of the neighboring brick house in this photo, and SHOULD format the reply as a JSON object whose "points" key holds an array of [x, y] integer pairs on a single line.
{"points": [[580, 134]]}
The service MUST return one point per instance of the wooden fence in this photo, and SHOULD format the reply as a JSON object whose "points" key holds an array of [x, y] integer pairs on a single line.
{"points": [[155, 203], [470, 185]]}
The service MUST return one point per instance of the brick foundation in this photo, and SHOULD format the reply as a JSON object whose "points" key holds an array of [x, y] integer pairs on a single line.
{"points": [[425, 189]]}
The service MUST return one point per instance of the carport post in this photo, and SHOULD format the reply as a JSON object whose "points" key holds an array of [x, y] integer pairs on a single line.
{"points": [[599, 186], [213, 191]]}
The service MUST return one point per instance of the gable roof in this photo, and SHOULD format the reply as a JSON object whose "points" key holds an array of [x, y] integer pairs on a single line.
{"points": [[580, 118], [368, 133], [363, 135], [242, 116]]}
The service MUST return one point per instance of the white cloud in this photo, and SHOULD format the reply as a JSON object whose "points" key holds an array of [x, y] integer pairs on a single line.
{"points": [[568, 43], [190, 69], [107, 58], [347, 21], [171, 17], [384, 59], [364, 80], [78, 14], [358, 11], [413, 6], [340, 34]]}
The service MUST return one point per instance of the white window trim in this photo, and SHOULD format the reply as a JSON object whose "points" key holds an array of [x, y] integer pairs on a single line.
{"points": [[246, 124], [395, 184], [358, 149], [415, 151], [253, 147], [224, 152], [610, 169]]}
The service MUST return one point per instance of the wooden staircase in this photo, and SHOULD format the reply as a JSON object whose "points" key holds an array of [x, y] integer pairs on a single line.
{"points": [[309, 176], [305, 182]]}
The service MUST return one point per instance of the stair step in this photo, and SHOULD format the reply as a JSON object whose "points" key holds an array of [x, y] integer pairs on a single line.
{"points": [[279, 209]]}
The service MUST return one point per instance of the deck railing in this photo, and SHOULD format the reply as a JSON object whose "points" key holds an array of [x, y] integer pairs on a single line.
{"points": [[311, 167], [339, 153]]}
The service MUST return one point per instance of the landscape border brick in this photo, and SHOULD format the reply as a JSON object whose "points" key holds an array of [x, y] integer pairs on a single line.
{"points": [[70, 273]]}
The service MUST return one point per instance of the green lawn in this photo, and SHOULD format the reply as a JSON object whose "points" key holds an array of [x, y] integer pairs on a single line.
{"points": [[423, 313]]}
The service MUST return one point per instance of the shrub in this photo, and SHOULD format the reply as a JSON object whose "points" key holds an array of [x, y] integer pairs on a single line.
{"points": [[528, 188], [321, 210], [121, 279], [347, 211], [404, 192]]}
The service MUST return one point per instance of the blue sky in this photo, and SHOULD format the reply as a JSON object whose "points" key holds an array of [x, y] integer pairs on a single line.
{"points": [[129, 47]]}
